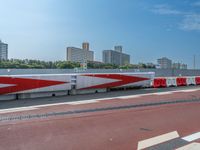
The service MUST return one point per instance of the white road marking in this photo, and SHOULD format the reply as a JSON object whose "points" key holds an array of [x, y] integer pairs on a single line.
{"points": [[192, 146], [104, 99], [136, 96], [95, 100], [82, 102], [163, 93], [3, 111], [157, 140], [130, 96], [190, 90], [187, 90], [192, 137]]}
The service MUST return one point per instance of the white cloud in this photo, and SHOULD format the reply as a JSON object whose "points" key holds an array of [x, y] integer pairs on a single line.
{"points": [[191, 22], [165, 10], [196, 4]]}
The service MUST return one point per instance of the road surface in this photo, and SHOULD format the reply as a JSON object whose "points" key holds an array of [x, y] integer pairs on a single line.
{"points": [[121, 120]]}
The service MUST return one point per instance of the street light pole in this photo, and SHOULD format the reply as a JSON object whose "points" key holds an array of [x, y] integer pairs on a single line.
{"points": [[194, 63]]}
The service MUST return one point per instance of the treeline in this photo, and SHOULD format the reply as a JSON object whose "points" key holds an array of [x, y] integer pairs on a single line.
{"points": [[38, 64], [111, 66]]}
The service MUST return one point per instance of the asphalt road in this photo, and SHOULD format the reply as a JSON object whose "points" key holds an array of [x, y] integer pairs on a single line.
{"points": [[105, 121], [53, 100]]}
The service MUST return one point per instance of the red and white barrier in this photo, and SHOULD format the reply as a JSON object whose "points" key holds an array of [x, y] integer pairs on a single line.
{"points": [[159, 82], [19, 84], [181, 81], [34, 83], [171, 82], [63, 84], [191, 81], [175, 81], [114, 80], [197, 79]]}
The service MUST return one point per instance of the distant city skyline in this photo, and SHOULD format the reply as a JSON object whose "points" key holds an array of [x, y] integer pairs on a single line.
{"points": [[80, 55], [116, 56], [147, 30], [3, 51]]}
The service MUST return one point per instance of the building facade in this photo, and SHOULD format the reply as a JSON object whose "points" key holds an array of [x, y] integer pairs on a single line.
{"points": [[81, 55], [118, 48], [3, 51], [86, 46], [179, 66], [116, 56], [184, 66], [164, 63]]}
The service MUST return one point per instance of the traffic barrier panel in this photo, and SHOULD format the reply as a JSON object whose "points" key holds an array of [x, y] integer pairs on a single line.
{"points": [[113, 80], [171, 82], [159, 82], [163, 82], [19, 84], [156, 83], [181, 81], [197, 79], [191, 81]]}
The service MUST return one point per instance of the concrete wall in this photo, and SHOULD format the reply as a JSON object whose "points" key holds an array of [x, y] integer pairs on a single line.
{"points": [[173, 72], [158, 72]]}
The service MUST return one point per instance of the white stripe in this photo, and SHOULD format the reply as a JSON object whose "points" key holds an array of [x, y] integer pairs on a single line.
{"points": [[157, 140], [191, 90], [130, 96], [6, 85], [192, 146], [82, 102], [135, 96], [187, 90], [104, 99], [163, 93], [93, 100], [3, 111], [192, 137]]}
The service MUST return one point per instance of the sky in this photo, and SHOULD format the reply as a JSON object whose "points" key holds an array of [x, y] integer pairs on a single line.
{"points": [[147, 29]]}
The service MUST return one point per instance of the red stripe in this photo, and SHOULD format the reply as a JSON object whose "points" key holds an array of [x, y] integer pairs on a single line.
{"points": [[123, 80], [22, 84]]}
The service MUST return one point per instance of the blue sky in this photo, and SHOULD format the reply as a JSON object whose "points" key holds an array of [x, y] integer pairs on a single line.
{"points": [[147, 29]]}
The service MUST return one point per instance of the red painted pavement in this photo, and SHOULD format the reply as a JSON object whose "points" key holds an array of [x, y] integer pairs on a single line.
{"points": [[114, 103], [108, 130]]}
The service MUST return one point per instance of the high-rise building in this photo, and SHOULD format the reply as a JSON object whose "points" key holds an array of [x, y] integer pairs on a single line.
{"points": [[116, 56], [176, 65], [183, 66], [86, 46], [179, 66], [81, 55], [3, 51], [164, 63], [118, 48]]}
